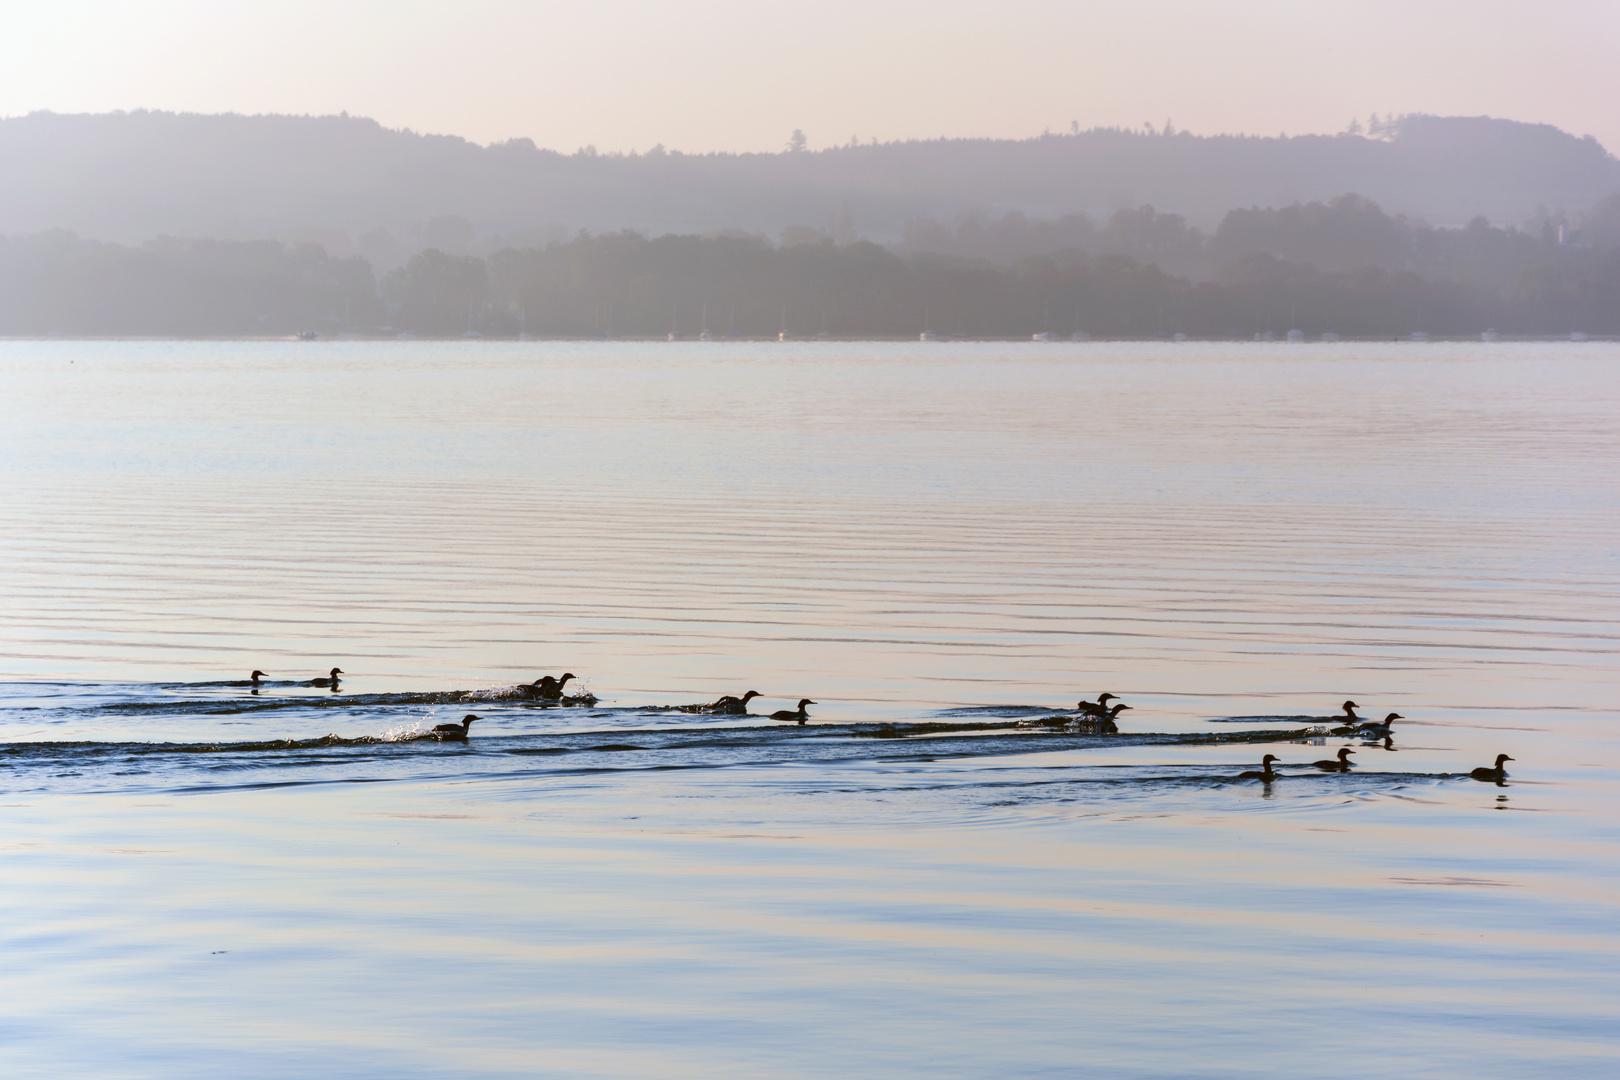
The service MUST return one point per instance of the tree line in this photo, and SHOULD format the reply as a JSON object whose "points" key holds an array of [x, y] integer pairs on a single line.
{"points": [[1342, 267]]}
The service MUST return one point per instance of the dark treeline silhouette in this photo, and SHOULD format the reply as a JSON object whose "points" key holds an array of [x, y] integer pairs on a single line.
{"points": [[1344, 233], [58, 283], [1343, 266]]}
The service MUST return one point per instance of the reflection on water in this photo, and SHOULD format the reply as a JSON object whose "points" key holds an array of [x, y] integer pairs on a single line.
{"points": [[946, 548]]}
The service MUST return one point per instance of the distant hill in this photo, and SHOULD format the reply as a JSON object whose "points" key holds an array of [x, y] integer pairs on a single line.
{"points": [[359, 188]]}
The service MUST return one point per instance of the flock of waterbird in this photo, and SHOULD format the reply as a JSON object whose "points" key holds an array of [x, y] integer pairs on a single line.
{"points": [[1353, 725], [1099, 716]]}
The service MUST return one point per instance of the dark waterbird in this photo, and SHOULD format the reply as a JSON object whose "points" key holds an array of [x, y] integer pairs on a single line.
{"points": [[1094, 708], [1103, 720], [548, 687], [1340, 764], [1350, 716], [1375, 729], [256, 679], [791, 715], [1263, 772], [330, 680], [455, 732], [731, 705], [1497, 774]]}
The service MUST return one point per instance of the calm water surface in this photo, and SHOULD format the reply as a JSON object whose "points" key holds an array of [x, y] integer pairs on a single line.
{"points": [[943, 545]]}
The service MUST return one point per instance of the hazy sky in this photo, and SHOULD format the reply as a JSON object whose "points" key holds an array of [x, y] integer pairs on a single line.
{"points": [[735, 75]]}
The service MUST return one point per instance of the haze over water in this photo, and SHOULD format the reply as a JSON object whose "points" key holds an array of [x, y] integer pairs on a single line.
{"points": [[1233, 538]]}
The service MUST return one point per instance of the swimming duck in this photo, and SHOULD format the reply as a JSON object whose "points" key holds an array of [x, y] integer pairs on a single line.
{"points": [[1103, 723], [548, 687], [789, 714], [1263, 772], [1342, 764], [731, 705], [1094, 708], [255, 678], [455, 731], [1378, 729], [331, 679], [1498, 773], [1350, 716]]}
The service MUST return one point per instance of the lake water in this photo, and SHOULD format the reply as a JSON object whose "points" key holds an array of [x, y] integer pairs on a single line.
{"points": [[942, 545]]}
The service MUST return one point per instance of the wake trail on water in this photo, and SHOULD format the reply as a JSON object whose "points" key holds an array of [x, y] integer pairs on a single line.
{"points": [[213, 736]]}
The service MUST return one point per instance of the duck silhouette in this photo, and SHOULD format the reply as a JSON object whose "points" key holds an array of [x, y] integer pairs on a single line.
{"points": [[455, 732], [731, 705], [791, 715], [1340, 764], [330, 680], [1497, 774], [1094, 708], [1263, 772], [1378, 729], [550, 688]]}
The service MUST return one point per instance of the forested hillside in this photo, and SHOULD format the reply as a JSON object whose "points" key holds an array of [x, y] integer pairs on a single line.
{"points": [[361, 189]]}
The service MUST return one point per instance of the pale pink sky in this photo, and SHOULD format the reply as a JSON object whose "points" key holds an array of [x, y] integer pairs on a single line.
{"points": [[734, 75]]}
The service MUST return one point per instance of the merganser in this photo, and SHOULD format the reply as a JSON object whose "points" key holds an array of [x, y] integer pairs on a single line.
{"points": [[1379, 728], [1341, 765], [788, 714], [1350, 716], [1498, 773], [331, 679], [455, 731], [1263, 772], [257, 675], [731, 705], [548, 687], [1104, 721], [1094, 708]]}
